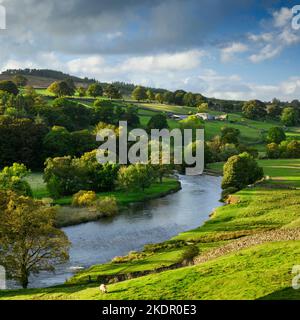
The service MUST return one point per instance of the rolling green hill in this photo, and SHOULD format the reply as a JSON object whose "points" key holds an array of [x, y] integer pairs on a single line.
{"points": [[247, 251]]}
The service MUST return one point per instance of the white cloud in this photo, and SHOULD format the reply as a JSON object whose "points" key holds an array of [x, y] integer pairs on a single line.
{"points": [[228, 53], [267, 52], [86, 65], [264, 37], [271, 44], [180, 61], [282, 17]]}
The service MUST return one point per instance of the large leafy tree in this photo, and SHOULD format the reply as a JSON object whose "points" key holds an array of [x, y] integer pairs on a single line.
{"points": [[276, 135], [289, 116], [254, 109], [21, 141], [61, 89], [95, 90], [57, 142], [136, 176], [230, 135], [112, 92], [9, 86], [158, 121], [240, 171], [159, 97], [150, 95], [168, 97], [139, 93], [13, 178], [67, 175], [29, 241]]}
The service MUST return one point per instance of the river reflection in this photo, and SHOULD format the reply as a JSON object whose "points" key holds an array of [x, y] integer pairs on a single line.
{"points": [[154, 221]]}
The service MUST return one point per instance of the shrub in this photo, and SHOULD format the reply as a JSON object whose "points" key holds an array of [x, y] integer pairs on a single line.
{"points": [[240, 171], [107, 206], [276, 135], [189, 253], [84, 198], [133, 255]]}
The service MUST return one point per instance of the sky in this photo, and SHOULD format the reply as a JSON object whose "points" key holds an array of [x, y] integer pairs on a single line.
{"points": [[231, 49]]}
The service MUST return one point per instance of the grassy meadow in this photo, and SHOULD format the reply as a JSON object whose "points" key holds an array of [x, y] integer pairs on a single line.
{"points": [[282, 171], [257, 270]]}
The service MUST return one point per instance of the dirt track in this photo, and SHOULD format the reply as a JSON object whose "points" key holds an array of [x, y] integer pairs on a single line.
{"points": [[249, 241]]}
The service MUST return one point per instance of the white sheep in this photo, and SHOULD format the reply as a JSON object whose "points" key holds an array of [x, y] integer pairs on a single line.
{"points": [[103, 288]]}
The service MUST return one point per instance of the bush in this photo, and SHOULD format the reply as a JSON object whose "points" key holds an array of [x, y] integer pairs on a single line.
{"points": [[84, 198], [107, 206], [240, 171], [190, 253]]}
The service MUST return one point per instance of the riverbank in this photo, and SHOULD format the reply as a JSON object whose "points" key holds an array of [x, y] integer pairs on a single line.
{"points": [[267, 262], [257, 266], [69, 216]]}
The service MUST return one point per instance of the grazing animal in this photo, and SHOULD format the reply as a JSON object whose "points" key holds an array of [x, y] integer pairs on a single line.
{"points": [[103, 288]]}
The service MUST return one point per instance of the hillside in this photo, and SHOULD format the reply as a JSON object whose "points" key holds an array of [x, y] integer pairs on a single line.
{"points": [[248, 244]]}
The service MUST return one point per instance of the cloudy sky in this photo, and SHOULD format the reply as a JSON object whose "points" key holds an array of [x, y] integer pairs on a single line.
{"points": [[237, 49]]}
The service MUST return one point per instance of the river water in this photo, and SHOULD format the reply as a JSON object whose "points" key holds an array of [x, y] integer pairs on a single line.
{"points": [[151, 222]]}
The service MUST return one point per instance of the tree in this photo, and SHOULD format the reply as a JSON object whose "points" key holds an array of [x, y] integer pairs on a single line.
{"points": [[82, 141], [289, 116], [254, 109], [67, 175], [112, 92], [203, 107], [95, 90], [21, 141], [230, 135], [71, 84], [81, 91], [104, 111], [29, 242], [57, 143], [131, 116], [61, 88], [158, 121], [191, 122], [20, 80], [276, 135], [9, 86], [189, 99], [168, 97], [66, 113], [150, 95], [159, 98], [293, 149], [273, 111], [273, 151], [139, 93], [136, 176], [12, 178], [178, 97], [240, 171]]}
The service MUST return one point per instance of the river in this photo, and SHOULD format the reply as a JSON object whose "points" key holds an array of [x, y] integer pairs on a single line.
{"points": [[150, 222]]}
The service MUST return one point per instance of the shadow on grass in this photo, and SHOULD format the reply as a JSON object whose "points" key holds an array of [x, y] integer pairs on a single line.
{"points": [[283, 294]]}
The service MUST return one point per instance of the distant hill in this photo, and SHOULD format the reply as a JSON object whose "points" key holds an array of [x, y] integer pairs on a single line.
{"points": [[42, 78]]}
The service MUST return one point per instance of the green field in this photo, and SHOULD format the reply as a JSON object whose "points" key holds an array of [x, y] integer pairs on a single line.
{"points": [[259, 272], [263, 270], [69, 216], [243, 246], [282, 171]]}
